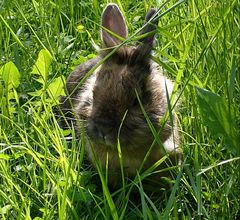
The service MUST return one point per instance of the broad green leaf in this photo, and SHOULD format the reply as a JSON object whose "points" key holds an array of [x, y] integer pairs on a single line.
{"points": [[56, 88], [42, 65], [10, 75], [218, 115], [37, 93]]}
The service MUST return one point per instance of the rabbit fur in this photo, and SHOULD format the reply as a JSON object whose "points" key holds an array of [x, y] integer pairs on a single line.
{"points": [[105, 105]]}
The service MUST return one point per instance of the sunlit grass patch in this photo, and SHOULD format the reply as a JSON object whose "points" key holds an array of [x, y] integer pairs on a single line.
{"points": [[43, 172]]}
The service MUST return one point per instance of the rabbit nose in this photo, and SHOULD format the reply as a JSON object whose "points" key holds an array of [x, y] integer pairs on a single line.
{"points": [[100, 132]]}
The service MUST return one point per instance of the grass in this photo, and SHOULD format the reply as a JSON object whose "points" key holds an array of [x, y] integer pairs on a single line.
{"points": [[43, 175]]}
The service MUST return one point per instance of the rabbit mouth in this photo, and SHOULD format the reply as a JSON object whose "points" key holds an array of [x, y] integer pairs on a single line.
{"points": [[104, 140], [107, 140]]}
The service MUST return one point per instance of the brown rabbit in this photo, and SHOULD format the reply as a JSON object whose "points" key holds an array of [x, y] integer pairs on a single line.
{"points": [[108, 99]]}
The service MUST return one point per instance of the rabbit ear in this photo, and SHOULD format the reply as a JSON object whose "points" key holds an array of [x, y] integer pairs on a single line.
{"points": [[150, 27], [113, 20], [144, 49]]}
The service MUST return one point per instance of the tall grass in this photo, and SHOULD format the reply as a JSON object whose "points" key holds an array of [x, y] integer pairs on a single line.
{"points": [[44, 175]]}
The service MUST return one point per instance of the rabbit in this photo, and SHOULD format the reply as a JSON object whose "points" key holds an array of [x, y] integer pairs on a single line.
{"points": [[106, 106]]}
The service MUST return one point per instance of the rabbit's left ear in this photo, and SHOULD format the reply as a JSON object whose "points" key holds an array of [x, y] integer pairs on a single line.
{"points": [[113, 21], [145, 46], [149, 28]]}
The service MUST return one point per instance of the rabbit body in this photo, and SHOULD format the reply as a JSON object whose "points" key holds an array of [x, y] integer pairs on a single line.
{"points": [[107, 107]]}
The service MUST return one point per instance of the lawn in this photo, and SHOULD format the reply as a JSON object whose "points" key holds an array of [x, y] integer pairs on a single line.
{"points": [[43, 171]]}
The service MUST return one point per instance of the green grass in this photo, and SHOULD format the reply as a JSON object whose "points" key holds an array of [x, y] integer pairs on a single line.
{"points": [[43, 175]]}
